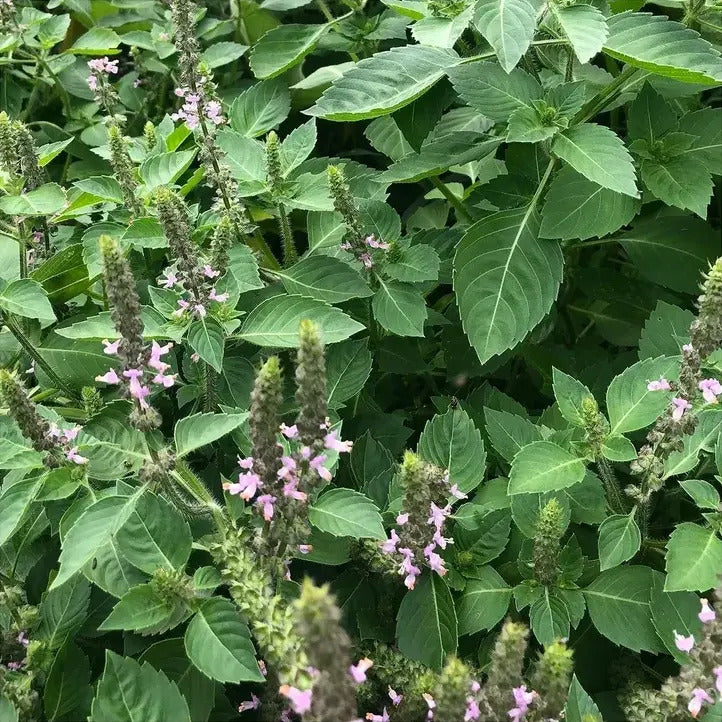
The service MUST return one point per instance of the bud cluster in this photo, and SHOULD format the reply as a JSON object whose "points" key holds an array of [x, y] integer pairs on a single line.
{"points": [[18, 153]]}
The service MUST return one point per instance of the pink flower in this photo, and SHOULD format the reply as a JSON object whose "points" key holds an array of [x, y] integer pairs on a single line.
{"points": [[23, 639], [110, 348], [317, 465], [389, 546], [246, 487], [290, 490], [305, 548], [371, 242], [661, 385], [15, 666], [683, 644], [441, 541], [290, 432], [475, 686], [523, 699], [182, 306], [214, 111], [688, 348], [383, 717], [137, 390], [437, 516], [180, 92], [70, 434], [156, 352], [93, 82], [289, 466], [366, 259], [409, 568], [245, 463], [200, 309], [165, 380], [74, 456], [680, 406], [717, 672], [395, 697], [711, 389], [472, 710], [109, 378], [209, 272], [254, 703], [220, 297], [454, 491], [169, 281], [358, 671], [707, 614], [402, 519], [436, 563], [695, 704], [333, 443], [265, 503], [300, 699]]}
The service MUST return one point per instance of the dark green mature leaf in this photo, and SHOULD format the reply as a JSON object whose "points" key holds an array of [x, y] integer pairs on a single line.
{"points": [[144, 610], [580, 707], [26, 297], [694, 558], [63, 611], [674, 612], [662, 46], [704, 438], [67, 684], [508, 26], [619, 540], [348, 365], [505, 279], [484, 602], [15, 503], [206, 338], [426, 626], [283, 47], [400, 308], [549, 617], [570, 395], [508, 433], [586, 28], [544, 466], [681, 181], [193, 432], [343, 512], [665, 331], [385, 82], [325, 279]]}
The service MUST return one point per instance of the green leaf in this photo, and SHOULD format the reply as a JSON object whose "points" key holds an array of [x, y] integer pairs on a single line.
{"points": [[92, 530], [67, 685], [630, 404], [525, 509], [493, 92], [706, 127], [104, 188], [145, 233], [262, 107], [63, 611], [426, 626], [526, 126], [129, 692], [97, 41], [441, 32], [283, 47], [207, 338], [143, 609], [674, 612], [619, 540], [155, 535], [484, 601], [549, 617], [586, 28], [43, 201], [220, 54], [417, 263], [274, 322], [246, 159], [385, 82], [508, 26], [348, 365], [704, 495], [484, 537], [544, 466], [694, 559], [618, 448], [618, 603], [575, 207], [8, 712], [218, 642], [703, 438], [15, 503], [325, 279], [663, 47], [343, 512], [297, 146], [112, 572], [665, 331], [399, 308], [165, 168], [580, 707], [194, 432], [508, 433], [599, 155], [654, 248], [63, 275], [454, 444], [650, 116], [570, 395], [27, 298], [101, 326], [505, 279], [681, 181]]}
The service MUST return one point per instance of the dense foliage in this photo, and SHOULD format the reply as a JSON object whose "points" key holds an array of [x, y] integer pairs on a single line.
{"points": [[360, 360]]}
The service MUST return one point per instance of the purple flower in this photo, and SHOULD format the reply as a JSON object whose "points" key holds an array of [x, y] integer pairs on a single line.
{"points": [[317, 465], [214, 112], [265, 503], [169, 281], [402, 519], [110, 348], [683, 644], [15, 666], [383, 717], [165, 380], [290, 432], [707, 614], [288, 468], [109, 377], [688, 348], [333, 443], [660, 385], [717, 672], [366, 259], [182, 306], [395, 697], [92, 82], [300, 699], [23, 639], [75, 457], [680, 406], [305, 548], [437, 516], [522, 699], [253, 703], [200, 309], [137, 390], [246, 486], [220, 297], [472, 710], [389, 546], [436, 563], [711, 389], [290, 489], [209, 272], [246, 463], [371, 242], [409, 568], [156, 352], [699, 695], [358, 671], [454, 491]]}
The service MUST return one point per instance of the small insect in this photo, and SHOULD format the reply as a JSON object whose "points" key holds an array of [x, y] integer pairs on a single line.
{"points": [[454, 403]]}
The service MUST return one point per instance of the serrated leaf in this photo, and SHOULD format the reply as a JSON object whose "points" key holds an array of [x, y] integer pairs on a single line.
{"points": [[63, 611], [570, 395], [275, 321], [194, 432], [383, 83], [674, 612], [399, 308], [142, 609], [704, 495], [665, 331], [694, 559], [580, 707], [505, 279], [325, 279], [454, 444], [706, 127], [508, 26], [544, 466], [586, 28], [262, 107], [15, 502], [219, 54], [43, 201], [283, 47], [165, 168], [662, 46], [207, 338], [343, 512], [417, 263], [67, 683], [599, 154], [348, 365], [681, 181], [484, 601], [219, 643], [27, 298], [549, 617], [508, 433], [619, 540]]}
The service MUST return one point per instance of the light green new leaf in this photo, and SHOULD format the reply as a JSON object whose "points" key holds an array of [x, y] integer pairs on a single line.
{"points": [[526, 126], [275, 321], [348, 365], [218, 642], [599, 154], [586, 28], [207, 338], [400, 308], [630, 404], [484, 601], [704, 495], [27, 298], [544, 466], [43, 201], [580, 707], [508, 26], [193, 432], [165, 168], [454, 444], [570, 395], [426, 626], [662, 46], [505, 279], [297, 146], [343, 512], [694, 559], [704, 438], [324, 278], [16, 452], [491, 91], [283, 47], [618, 603], [262, 107], [97, 41], [575, 207], [129, 692], [142, 609], [619, 540], [385, 82]]}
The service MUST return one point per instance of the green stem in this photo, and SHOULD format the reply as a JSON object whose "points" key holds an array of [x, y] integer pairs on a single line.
{"points": [[604, 96], [290, 254], [196, 489], [31, 351], [461, 211], [209, 388], [611, 486]]}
